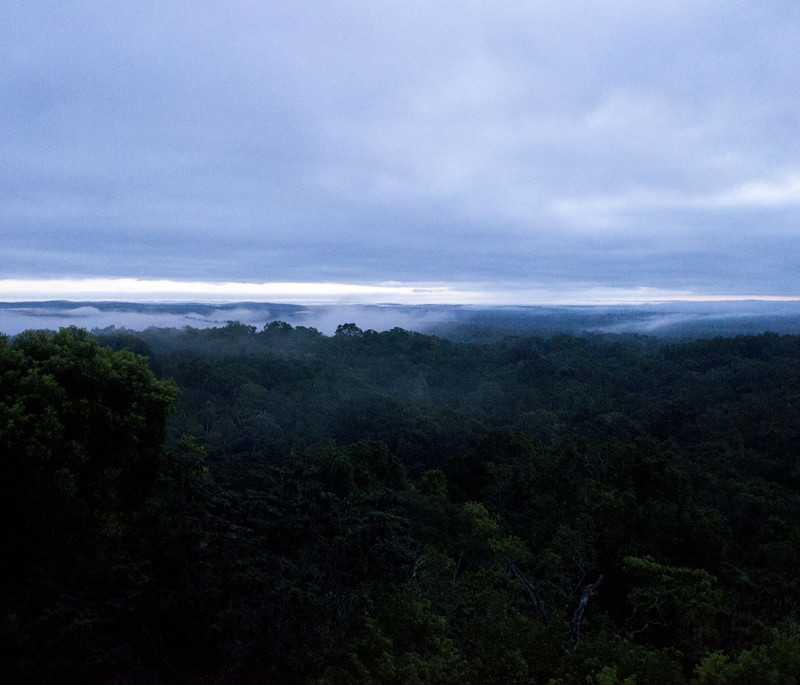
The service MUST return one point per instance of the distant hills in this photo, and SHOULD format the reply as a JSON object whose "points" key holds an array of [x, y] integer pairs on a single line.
{"points": [[683, 320]]}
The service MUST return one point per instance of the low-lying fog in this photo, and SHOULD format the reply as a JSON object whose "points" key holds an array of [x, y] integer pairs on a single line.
{"points": [[672, 319], [15, 317]]}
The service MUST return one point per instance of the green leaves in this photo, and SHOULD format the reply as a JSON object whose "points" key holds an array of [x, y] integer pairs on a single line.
{"points": [[81, 429], [378, 507], [775, 663]]}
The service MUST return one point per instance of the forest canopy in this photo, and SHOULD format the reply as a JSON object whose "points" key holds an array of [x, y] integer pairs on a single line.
{"points": [[245, 505]]}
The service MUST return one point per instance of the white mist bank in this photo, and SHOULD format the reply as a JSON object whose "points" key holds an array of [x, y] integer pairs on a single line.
{"points": [[663, 319], [14, 320]]}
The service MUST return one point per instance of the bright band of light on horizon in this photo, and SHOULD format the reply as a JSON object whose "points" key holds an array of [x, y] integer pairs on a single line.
{"points": [[136, 290]]}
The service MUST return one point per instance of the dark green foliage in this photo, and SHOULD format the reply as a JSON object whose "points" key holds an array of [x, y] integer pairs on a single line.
{"points": [[392, 507], [81, 429]]}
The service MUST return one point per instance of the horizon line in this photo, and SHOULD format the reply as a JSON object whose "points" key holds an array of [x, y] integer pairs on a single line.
{"points": [[167, 291]]}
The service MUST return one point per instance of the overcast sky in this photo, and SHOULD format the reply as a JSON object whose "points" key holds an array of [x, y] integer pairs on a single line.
{"points": [[513, 148]]}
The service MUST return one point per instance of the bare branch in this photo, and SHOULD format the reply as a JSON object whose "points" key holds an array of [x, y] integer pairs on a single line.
{"points": [[588, 591], [531, 590]]}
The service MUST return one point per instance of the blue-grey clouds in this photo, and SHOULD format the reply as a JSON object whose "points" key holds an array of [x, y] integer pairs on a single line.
{"points": [[514, 143]]}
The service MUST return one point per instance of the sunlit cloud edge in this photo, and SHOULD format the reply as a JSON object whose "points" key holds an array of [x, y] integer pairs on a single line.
{"points": [[163, 291]]}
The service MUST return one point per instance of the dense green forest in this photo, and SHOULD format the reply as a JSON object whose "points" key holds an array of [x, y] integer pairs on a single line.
{"points": [[236, 505]]}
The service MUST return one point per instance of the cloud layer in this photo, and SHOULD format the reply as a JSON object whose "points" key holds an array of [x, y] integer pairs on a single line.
{"points": [[513, 146]]}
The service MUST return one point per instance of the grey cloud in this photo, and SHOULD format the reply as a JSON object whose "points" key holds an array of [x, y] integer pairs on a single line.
{"points": [[523, 143]]}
